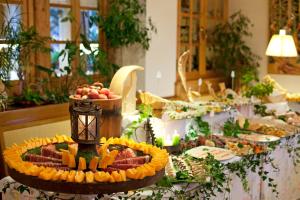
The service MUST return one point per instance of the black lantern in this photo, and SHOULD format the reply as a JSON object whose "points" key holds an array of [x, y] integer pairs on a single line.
{"points": [[85, 123]]}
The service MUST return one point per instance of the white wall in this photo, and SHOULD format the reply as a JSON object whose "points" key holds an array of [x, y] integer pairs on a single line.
{"points": [[258, 12], [161, 57], [46, 130]]}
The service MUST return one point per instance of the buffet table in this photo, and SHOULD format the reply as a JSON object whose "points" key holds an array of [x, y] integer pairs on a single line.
{"points": [[286, 177], [282, 171]]}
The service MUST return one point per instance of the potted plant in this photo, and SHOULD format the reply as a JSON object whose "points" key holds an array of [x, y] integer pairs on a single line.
{"points": [[230, 51]]}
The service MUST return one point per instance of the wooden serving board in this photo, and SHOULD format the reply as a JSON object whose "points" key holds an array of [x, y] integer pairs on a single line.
{"points": [[84, 188]]}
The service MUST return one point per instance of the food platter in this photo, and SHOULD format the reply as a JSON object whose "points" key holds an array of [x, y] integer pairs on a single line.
{"points": [[84, 188], [259, 137], [39, 164], [203, 151]]}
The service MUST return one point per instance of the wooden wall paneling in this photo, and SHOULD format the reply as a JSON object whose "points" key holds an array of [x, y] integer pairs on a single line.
{"points": [[102, 8], [191, 35], [42, 24], [226, 10], [75, 30], [29, 17], [203, 37]]}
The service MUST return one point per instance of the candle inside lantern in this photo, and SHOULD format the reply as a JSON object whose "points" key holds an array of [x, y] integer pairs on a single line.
{"points": [[86, 132]]}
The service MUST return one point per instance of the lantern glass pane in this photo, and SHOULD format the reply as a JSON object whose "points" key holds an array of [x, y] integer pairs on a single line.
{"points": [[81, 127], [92, 128]]}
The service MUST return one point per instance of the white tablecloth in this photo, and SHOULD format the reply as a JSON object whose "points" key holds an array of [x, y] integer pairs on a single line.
{"points": [[286, 177]]}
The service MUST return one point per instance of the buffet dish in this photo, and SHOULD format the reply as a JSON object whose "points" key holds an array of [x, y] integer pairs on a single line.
{"points": [[50, 164]]}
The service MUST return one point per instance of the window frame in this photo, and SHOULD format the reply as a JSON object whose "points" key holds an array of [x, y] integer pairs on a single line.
{"points": [[37, 13]]}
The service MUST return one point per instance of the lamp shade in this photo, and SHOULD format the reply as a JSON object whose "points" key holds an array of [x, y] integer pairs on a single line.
{"points": [[282, 45]]}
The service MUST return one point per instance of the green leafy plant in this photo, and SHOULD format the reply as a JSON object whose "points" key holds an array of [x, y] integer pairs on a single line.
{"points": [[7, 54], [29, 97], [20, 42], [260, 109], [230, 51], [259, 90], [145, 112], [123, 25], [232, 128], [292, 146], [58, 81], [202, 127]]}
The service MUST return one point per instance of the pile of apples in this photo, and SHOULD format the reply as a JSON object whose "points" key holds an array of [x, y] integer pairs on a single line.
{"points": [[94, 91]]}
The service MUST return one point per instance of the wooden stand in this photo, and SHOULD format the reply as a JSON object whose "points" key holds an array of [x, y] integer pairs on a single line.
{"points": [[84, 188]]}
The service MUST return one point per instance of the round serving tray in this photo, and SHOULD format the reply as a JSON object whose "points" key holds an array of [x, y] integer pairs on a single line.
{"points": [[84, 188]]}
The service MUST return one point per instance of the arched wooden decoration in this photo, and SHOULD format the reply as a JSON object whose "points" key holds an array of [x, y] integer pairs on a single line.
{"points": [[124, 84], [181, 68]]}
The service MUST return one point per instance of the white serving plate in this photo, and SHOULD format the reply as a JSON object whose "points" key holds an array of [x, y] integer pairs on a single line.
{"points": [[218, 153], [259, 137]]}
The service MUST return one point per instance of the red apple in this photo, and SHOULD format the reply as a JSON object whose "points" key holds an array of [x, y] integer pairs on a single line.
{"points": [[85, 91], [102, 96], [104, 91], [93, 94], [79, 91]]}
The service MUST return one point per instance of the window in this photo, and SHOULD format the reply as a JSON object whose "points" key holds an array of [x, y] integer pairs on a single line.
{"points": [[63, 22], [60, 32], [10, 18], [88, 9]]}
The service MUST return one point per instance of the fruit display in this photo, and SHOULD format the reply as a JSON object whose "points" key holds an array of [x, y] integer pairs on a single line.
{"points": [[94, 91], [58, 159]]}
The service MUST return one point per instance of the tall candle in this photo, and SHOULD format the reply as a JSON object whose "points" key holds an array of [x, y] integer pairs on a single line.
{"points": [[232, 75]]}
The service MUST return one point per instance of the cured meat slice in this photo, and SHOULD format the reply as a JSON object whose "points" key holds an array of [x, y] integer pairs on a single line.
{"points": [[50, 151], [110, 169], [50, 164], [126, 153], [39, 158], [125, 166], [134, 160]]}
